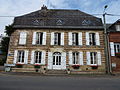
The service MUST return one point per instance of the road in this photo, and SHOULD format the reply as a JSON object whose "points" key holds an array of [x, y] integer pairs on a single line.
{"points": [[27, 82]]}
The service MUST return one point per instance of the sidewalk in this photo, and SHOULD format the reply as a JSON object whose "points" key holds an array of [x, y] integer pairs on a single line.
{"points": [[60, 75]]}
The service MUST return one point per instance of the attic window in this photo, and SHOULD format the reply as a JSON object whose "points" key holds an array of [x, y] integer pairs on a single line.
{"points": [[59, 22], [36, 22], [86, 22]]}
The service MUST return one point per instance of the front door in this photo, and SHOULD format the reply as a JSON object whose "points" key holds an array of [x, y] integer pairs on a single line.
{"points": [[57, 60]]}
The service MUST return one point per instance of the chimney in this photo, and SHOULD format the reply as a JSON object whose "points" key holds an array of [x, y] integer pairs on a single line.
{"points": [[43, 7]]}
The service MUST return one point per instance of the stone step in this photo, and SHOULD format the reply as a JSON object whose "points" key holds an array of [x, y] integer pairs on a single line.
{"points": [[24, 70], [56, 72]]}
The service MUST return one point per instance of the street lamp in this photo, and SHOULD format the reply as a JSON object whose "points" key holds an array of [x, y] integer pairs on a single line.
{"points": [[107, 54]]}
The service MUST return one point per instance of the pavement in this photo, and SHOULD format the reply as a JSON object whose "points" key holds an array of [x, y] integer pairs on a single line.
{"points": [[25, 81]]}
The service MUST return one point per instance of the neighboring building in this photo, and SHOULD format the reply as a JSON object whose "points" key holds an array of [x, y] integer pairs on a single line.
{"points": [[114, 39], [56, 39]]}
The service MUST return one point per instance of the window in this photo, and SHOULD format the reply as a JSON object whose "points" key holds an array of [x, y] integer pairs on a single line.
{"points": [[75, 57], [39, 38], [117, 47], [20, 57], [22, 39], [93, 58], [117, 27], [92, 39], [57, 39], [38, 56], [75, 38]]}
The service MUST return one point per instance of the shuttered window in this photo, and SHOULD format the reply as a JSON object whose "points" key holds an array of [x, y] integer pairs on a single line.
{"points": [[75, 58], [39, 38], [75, 38], [21, 56], [92, 38], [93, 58], [38, 57], [57, 38], [22, 38], [112, 49]]}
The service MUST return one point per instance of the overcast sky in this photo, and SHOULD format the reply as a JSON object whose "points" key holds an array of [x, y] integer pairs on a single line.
{"points": [[21, 7]]}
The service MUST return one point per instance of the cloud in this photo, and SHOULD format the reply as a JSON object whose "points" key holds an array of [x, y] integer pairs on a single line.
{"points": [[21, 7]]}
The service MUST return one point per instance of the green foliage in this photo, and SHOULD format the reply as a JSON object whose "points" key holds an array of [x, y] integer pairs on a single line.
{"points": [[5, 42], [9, 30]]}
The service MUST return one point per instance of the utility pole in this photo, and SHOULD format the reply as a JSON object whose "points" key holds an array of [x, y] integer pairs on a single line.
{"points": [[107, 53]]}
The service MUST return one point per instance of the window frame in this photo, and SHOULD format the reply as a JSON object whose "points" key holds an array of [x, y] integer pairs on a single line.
{"points": [[39, 38], [93, 58], [75, 39], [92, 39], [39, 59], [21, 56], [75, 58]]}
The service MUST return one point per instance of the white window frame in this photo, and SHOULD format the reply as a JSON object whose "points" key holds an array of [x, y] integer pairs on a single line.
{"points": [[117, 47], [75, 58], [39, 60], [56, 38], [20, 55], [93, 58], [91, 41], [22, 38], [74, 42], [39, 39]]}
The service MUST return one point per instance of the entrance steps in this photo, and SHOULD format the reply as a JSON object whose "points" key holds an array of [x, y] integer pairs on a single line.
{"points": [[56, 72]]}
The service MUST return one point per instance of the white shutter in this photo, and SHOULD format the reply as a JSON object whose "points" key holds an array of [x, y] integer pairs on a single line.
{"points": [[32, 57], [15, 56], [70, 58], [87, 38], [88, 58], [80, 38], [81, 58], [43, 57], [70, 38], [99, 58], [26, 57], [44, 38], [112, 49], [52, 38], [22, 39], [62, 38], [63, 59], [50, 57], [34, 38], [97, 39]]}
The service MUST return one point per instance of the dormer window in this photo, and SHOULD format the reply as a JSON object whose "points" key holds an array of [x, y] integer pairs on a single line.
{"points": [[59, 22]]}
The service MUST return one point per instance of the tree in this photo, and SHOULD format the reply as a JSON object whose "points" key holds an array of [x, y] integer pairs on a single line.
{"points": [[5, 42]]}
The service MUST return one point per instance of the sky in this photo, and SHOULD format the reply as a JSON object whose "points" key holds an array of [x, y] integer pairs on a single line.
{"points": [[21, 7]]}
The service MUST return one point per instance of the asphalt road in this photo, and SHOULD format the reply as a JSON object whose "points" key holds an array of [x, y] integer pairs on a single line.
{"points": [[24, 82]]}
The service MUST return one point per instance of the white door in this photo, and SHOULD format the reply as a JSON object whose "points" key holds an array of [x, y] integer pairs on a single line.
{"points": [[57, 61]]}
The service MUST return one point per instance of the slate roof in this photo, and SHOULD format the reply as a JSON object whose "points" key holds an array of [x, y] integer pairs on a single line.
{"points": [[57, 18]]}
